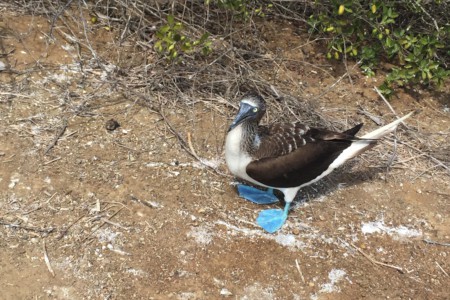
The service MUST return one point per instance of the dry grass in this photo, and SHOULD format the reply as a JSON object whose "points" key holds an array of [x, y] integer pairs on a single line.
{"points": [[132, 71]]}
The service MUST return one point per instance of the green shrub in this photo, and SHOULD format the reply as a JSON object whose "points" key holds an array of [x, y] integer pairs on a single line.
{"points": [[406, 33], [242, 8], [171, 41]]}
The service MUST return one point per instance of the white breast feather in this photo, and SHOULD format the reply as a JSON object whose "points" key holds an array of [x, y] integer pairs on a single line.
{"points": [[237, 160]]}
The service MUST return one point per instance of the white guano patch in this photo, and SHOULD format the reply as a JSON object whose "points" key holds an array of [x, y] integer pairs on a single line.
{"points": [[287, 240], [202, 234], [379, 226], [334, 276]]}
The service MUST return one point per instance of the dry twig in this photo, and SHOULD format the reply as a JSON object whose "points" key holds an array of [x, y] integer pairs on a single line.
{"points": [[436, 243], [64, 232], [47, 260], [442, 269], [300, 271], [28, 228], [57, 137], [375, 262]]}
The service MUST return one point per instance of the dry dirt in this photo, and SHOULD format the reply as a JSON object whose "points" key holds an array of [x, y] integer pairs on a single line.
{"points": [[129, 214]]}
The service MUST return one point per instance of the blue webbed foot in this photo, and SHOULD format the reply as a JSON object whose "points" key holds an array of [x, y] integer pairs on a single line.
{"points": [[257, 196], [273, 219]]}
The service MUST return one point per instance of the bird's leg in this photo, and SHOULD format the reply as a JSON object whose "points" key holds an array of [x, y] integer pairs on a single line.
{"points": [[257, 196], [273, 219]]}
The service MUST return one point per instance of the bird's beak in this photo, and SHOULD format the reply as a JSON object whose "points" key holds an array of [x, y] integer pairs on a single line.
{"points": [[245, 111]]}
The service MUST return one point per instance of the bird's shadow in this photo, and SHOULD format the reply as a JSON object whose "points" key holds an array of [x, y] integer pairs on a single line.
{"points": [[347, 176]]}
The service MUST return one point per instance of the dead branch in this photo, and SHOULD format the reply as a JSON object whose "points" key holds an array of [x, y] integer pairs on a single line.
{"points": [[28, 228], [375, 262], [47, 260], [57, 137]]}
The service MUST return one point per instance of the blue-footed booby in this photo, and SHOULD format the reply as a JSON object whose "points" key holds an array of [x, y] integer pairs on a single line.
{"points": [[287, 156]]}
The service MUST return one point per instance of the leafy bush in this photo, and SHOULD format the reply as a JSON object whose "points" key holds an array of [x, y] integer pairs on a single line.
{"points": [[242, 8], [171, 40], [414, 35]]}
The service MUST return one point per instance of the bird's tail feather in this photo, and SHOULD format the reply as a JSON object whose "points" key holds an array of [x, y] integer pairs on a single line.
{"points": [[366, 142], [382, 131]]}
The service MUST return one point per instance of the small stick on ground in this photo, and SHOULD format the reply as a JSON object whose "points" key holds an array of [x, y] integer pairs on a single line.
{"points": [[144, 202], [29, 228], [51, 161], [57, 137], [47, 261], [375, 262], [189, 140], [15, 95], [103, 223], [9, 159], [115, 224], [31, 210], [388, 104], [440, 163], [64, 232], [436, 243], [374, 118], [299, 270], [442, 269]]}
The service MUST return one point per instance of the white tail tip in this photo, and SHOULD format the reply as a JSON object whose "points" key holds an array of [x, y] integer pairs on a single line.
{"points": [[382, 131]]}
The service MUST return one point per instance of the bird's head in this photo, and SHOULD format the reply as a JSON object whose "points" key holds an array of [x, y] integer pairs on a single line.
{"points": [[251, 109]]}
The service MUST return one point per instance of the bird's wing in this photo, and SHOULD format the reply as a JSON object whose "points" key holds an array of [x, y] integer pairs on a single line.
{"points": [[292, 154], [282, 139]]}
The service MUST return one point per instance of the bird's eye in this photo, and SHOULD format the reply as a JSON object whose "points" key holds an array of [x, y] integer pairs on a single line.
{"points": [[255, 109]]}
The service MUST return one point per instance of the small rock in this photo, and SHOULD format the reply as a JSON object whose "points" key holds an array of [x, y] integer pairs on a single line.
{"points": [[225, 292], [311, 284], [296, 231], [112, 125]]}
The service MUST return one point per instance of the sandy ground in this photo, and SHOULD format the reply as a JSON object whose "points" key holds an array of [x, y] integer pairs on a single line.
{"points": [[129, 214]]}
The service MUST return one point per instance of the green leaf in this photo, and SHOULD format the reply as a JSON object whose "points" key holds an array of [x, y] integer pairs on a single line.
{"points": [[170, 20], [204, 37], [177, 37], [158, 46], [163, 29]]}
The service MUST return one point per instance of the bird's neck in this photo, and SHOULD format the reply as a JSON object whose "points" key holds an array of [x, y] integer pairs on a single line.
{"points": [[249, 137]]}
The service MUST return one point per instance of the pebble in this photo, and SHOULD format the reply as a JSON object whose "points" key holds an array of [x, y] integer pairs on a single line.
{"points": [[225, 292], [296, 231]]}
